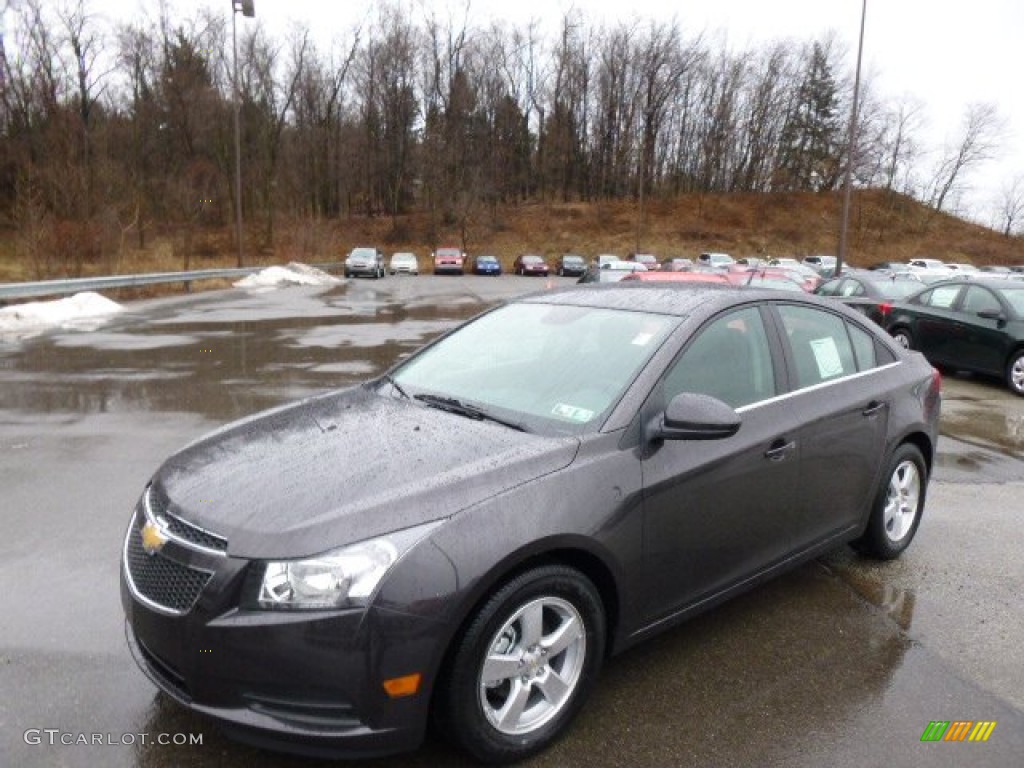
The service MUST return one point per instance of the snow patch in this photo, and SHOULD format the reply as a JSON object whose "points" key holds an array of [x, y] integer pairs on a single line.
{"points": [[292, 274], [84, 311]]}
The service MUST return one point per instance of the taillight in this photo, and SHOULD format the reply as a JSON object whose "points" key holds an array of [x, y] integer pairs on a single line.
{"points": [[885, 308]]}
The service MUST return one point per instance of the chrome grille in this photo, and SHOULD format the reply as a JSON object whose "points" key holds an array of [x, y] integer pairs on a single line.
{"points": [[159, 581]]}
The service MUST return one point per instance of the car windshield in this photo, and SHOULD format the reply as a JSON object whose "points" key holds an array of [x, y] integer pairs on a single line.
{"points": [[363, 254], [572, 259], [486, 260], [1015, 298], [532, 259], [554, 369]]}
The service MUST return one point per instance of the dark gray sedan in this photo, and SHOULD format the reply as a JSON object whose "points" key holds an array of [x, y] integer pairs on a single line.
{"points": [[465, 540]]}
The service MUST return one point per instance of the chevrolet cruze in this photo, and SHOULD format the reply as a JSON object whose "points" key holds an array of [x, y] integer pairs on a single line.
{"points": [[465, 540]]}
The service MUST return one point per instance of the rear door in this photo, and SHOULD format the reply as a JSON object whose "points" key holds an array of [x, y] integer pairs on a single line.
{"points": [[938, 328], [838, 380], [980, 343]]}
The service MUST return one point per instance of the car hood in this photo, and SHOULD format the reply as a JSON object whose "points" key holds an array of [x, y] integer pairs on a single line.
{"points": [[343, 467]]}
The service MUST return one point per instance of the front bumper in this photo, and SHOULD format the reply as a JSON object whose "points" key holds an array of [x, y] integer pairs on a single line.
{"points": [[362, 269], [305, 682]]}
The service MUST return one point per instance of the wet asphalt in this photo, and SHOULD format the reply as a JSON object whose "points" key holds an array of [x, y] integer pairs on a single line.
{"points": [[842, 662]]}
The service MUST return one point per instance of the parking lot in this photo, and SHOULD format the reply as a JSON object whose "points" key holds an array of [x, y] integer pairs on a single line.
{"points": [[841, 662]]}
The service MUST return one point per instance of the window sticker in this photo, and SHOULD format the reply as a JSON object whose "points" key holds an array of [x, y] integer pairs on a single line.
{"points": [[572, 413], [642, 339], [826, 355]]}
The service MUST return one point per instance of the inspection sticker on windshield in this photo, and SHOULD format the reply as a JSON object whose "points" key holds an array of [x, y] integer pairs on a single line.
{"points": [[572, 413], [826, 354]]}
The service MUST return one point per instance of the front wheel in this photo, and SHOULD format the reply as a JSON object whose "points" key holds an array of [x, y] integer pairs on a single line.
{"points": [[1015, 373], [897, 509], [525, 664], [903, 337]]}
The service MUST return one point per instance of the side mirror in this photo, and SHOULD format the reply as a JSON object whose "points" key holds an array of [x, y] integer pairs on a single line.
{"points": [[690, 416]]}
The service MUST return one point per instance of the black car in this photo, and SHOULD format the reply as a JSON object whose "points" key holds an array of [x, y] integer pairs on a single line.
{"points": [[470, 535], [871, 293], [971, 324], [570, 265]]}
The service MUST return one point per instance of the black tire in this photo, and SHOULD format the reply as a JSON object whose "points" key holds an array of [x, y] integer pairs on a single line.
{"points": [[537, 602], [903, 337], [896, 512], [1015, 373]]}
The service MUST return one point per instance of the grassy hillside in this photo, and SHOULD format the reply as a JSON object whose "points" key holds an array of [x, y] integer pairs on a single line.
{"points": [[883, 226]]}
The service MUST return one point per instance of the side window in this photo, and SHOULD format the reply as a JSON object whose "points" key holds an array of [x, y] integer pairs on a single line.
{"points": [[863, 348], [820, 344], [942, 297], [831, 288], [852, 288], [729, 359], [978, 299]]}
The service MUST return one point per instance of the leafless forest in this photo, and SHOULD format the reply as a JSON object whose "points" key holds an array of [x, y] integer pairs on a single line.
{"points": [[113, 134]]}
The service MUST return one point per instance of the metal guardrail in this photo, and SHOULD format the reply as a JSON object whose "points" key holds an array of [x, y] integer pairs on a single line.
{"points": [[74, 285]]}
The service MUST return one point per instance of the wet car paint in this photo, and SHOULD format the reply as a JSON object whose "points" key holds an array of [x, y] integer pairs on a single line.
{"points": [[841, 661]]}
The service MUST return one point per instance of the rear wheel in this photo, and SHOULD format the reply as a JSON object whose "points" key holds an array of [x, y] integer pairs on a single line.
{"points": [[896, 513], [903, 337], [1015, 372], [525, 664]]}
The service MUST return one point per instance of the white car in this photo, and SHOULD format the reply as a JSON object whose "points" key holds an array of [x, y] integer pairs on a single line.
{"points": [[404, 263], [712, 259]]}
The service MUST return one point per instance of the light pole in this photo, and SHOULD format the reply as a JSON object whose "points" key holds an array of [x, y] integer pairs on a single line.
{"points": [[844, 223], [248, 10]]}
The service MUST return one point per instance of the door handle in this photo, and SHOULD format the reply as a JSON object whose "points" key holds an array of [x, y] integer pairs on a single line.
{"points": [[778, 450], [872, 408]]}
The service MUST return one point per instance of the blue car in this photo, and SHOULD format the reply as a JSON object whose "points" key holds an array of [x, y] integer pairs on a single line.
{"points": [[486, 265]]}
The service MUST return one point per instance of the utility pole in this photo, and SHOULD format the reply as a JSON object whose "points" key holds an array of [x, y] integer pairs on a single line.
{"points": [[247, 7], [844, 223]]}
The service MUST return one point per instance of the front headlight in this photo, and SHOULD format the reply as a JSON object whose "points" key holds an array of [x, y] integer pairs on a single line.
{"points": [[340, 578]]}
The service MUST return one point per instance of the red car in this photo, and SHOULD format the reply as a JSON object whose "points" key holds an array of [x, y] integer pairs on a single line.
{"points": [[531, 264], [449, 259], [678, 277]]}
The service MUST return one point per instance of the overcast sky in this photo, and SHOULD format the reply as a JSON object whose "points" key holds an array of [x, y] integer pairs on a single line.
{"points": [[946, 54]]}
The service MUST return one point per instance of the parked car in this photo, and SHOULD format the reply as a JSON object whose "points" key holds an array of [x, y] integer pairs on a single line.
{"points": [[611, 272], [486, 265], [404, 263], [889, 266], [974, 324], [449, 260], [649, 260], [531, 264], [629, 456], [870, 293], [365, 261], [660, 276], [769, 277], [823, 265], [677, 264], [961, 268], [996, 270], [570, 265], [604, 258], [752, 261], [715, 259], [927, 264]]}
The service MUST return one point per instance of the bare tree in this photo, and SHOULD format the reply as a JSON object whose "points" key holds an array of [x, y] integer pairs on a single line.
{"points": [[1011, 204], [980, 137]]}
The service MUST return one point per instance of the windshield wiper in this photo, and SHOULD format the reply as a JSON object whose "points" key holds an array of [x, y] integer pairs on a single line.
{"points": [[452, 405]]}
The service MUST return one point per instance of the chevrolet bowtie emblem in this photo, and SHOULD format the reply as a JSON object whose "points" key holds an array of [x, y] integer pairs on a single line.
{"points": [[153, 539]]}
